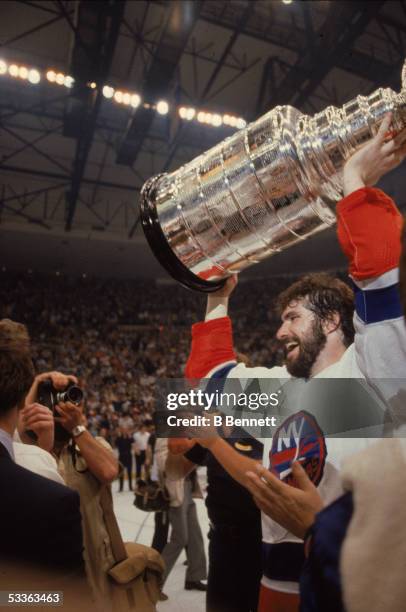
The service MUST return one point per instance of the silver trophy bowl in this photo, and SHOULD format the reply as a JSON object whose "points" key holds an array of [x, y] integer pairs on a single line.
{"points": [[258, 192]]}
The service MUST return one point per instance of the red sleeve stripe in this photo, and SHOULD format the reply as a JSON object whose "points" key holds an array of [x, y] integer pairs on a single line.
{"points": [[368, 229], [212, 346]]}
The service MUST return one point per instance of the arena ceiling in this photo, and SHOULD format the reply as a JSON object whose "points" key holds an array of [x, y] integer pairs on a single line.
{"points": [[72, 161]]}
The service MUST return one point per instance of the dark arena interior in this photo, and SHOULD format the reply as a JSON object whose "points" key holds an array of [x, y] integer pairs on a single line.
{"points": [[97, 97]]}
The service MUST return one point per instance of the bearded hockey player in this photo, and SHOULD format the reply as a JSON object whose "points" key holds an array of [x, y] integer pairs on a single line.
{"points": [[317, 335]]}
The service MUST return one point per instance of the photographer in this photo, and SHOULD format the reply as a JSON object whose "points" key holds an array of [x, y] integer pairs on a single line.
{"points": [[37, 457], [40, 521], [87, 465]]}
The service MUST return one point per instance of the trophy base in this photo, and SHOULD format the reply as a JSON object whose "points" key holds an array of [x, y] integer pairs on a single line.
{"points": [[161, 249]]}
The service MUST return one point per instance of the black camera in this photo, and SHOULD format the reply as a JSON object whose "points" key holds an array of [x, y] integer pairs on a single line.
{"points": [[49, 396]]}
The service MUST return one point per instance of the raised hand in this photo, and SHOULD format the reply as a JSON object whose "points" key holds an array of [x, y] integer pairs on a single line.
{"points": [[293, 507], [377, 157]]}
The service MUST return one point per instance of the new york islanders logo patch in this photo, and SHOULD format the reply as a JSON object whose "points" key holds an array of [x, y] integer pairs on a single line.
{"points": [[301, 439]]}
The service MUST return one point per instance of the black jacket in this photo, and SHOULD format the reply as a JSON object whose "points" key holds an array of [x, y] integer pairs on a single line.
{"points": [[40, 520]]}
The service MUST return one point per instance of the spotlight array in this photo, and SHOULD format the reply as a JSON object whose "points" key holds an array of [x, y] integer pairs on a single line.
{"points": [[187, 113], [217, 120], [232, 121], [20, 72], [210, 118], [59, 78], [121, 97], [126, 98]]}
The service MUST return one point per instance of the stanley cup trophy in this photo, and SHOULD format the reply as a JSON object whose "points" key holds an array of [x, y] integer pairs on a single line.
{"points": [[258, 192]]}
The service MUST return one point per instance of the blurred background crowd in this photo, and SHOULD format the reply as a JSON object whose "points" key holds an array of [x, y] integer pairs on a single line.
{"points": [[119, 337]]}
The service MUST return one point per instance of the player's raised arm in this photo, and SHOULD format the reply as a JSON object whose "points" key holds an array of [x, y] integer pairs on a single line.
{"points": [[212, 352], [212, 339], [369, 228]]}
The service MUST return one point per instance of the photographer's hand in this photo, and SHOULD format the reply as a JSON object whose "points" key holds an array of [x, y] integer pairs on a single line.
{"points": [[71, 415], [59, 381], [40, 420]]}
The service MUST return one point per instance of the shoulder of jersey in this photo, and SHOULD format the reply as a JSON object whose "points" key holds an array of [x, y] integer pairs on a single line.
{"points": [[346, 367], [241, 371]]}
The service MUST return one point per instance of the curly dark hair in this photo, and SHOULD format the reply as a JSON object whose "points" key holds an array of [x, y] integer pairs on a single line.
{"points": [[325, 295], [17, 372]]}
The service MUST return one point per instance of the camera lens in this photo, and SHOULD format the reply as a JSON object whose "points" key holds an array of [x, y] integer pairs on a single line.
{"points": [[74, 394]]}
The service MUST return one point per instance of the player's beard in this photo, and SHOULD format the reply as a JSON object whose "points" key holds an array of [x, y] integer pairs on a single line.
{"points": [[309, 349]]}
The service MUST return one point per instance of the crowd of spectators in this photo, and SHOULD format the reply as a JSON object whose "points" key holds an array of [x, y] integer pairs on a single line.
{"points": [[119, 337]]}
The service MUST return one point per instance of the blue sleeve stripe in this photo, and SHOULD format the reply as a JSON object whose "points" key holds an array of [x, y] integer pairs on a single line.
{"points": [[223, 372], [378, 304], [218, 379]]}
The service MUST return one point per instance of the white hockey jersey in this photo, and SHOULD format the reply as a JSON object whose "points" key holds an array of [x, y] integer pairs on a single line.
{"points": [[378, 353]]}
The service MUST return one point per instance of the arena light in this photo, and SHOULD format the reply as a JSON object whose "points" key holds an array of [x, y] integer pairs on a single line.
{"points": [[34, 76], [287, 1], [108, 92], [187, 113], [204, 117], [216, 120], [118, 96], [23, 72], [162, 107], [213, 119], [128, 98], [13, 70], [135, 100], [190, 113]]}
